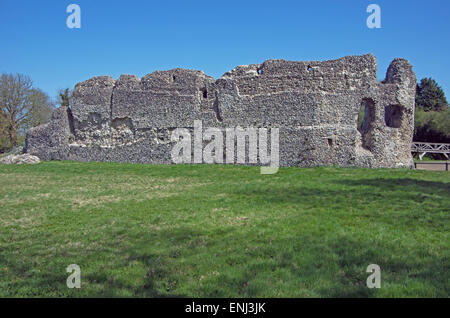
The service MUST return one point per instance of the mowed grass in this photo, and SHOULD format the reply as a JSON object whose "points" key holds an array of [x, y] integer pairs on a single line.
{"points": [[222, 231]]}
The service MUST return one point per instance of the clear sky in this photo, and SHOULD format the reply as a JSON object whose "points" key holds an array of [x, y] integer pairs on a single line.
{"points": [[141, 36]]}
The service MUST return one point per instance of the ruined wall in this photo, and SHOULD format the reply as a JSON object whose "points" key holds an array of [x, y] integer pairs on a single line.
{"points": [[314, 104]]}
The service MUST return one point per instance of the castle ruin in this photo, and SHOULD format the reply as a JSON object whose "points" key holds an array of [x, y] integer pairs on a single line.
{"points": [[314, 104]]}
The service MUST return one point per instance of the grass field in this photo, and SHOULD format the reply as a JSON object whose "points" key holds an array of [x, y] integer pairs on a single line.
{"points": [[222, 231]]}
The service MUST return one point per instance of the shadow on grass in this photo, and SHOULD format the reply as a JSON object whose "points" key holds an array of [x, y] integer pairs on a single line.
{"points": [[325, 197], [350, 193], [398, 268], [26, 279], [159, 281], [351, 256], [345, 278], [148, 288], [404, 184]]}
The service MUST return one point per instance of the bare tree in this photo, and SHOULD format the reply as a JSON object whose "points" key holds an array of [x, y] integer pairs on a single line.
{"points": [[39, 109], [21, 107], [4, 140]]}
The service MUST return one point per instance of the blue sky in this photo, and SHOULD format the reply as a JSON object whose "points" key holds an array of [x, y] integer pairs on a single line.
{"points": [[139, 37]]}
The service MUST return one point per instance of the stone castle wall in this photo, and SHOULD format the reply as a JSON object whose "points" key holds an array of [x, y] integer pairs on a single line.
{"points": [[315, 105]]}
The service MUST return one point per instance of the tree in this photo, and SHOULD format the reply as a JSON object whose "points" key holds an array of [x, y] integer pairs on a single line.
{"points": [[13, 101], [430, 96], [39, 109], [64, 97], [4, 140], [432, 115], [21, 107], [432, 126]]}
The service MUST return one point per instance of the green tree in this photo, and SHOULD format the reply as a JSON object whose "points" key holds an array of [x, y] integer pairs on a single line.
{"points": [[432, 126], [430, 96], [432, 114], [64, 97]]}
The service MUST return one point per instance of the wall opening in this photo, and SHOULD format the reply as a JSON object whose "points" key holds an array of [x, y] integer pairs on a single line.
{"points": [[309, 68], [393, 116], [217, 110], [70, 119], [366, 117], [124, 123], [204, 92]]}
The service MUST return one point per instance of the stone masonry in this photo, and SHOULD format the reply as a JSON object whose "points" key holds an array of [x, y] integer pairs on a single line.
{"points": [[315, 105]]}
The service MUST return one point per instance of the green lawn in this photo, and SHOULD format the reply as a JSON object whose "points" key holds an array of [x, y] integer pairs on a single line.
{"points": [[222, 231]]}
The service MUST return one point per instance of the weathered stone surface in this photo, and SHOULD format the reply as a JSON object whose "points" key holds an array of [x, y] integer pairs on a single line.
{"points": [[20, 159], [51, 141], [315, 105]]}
